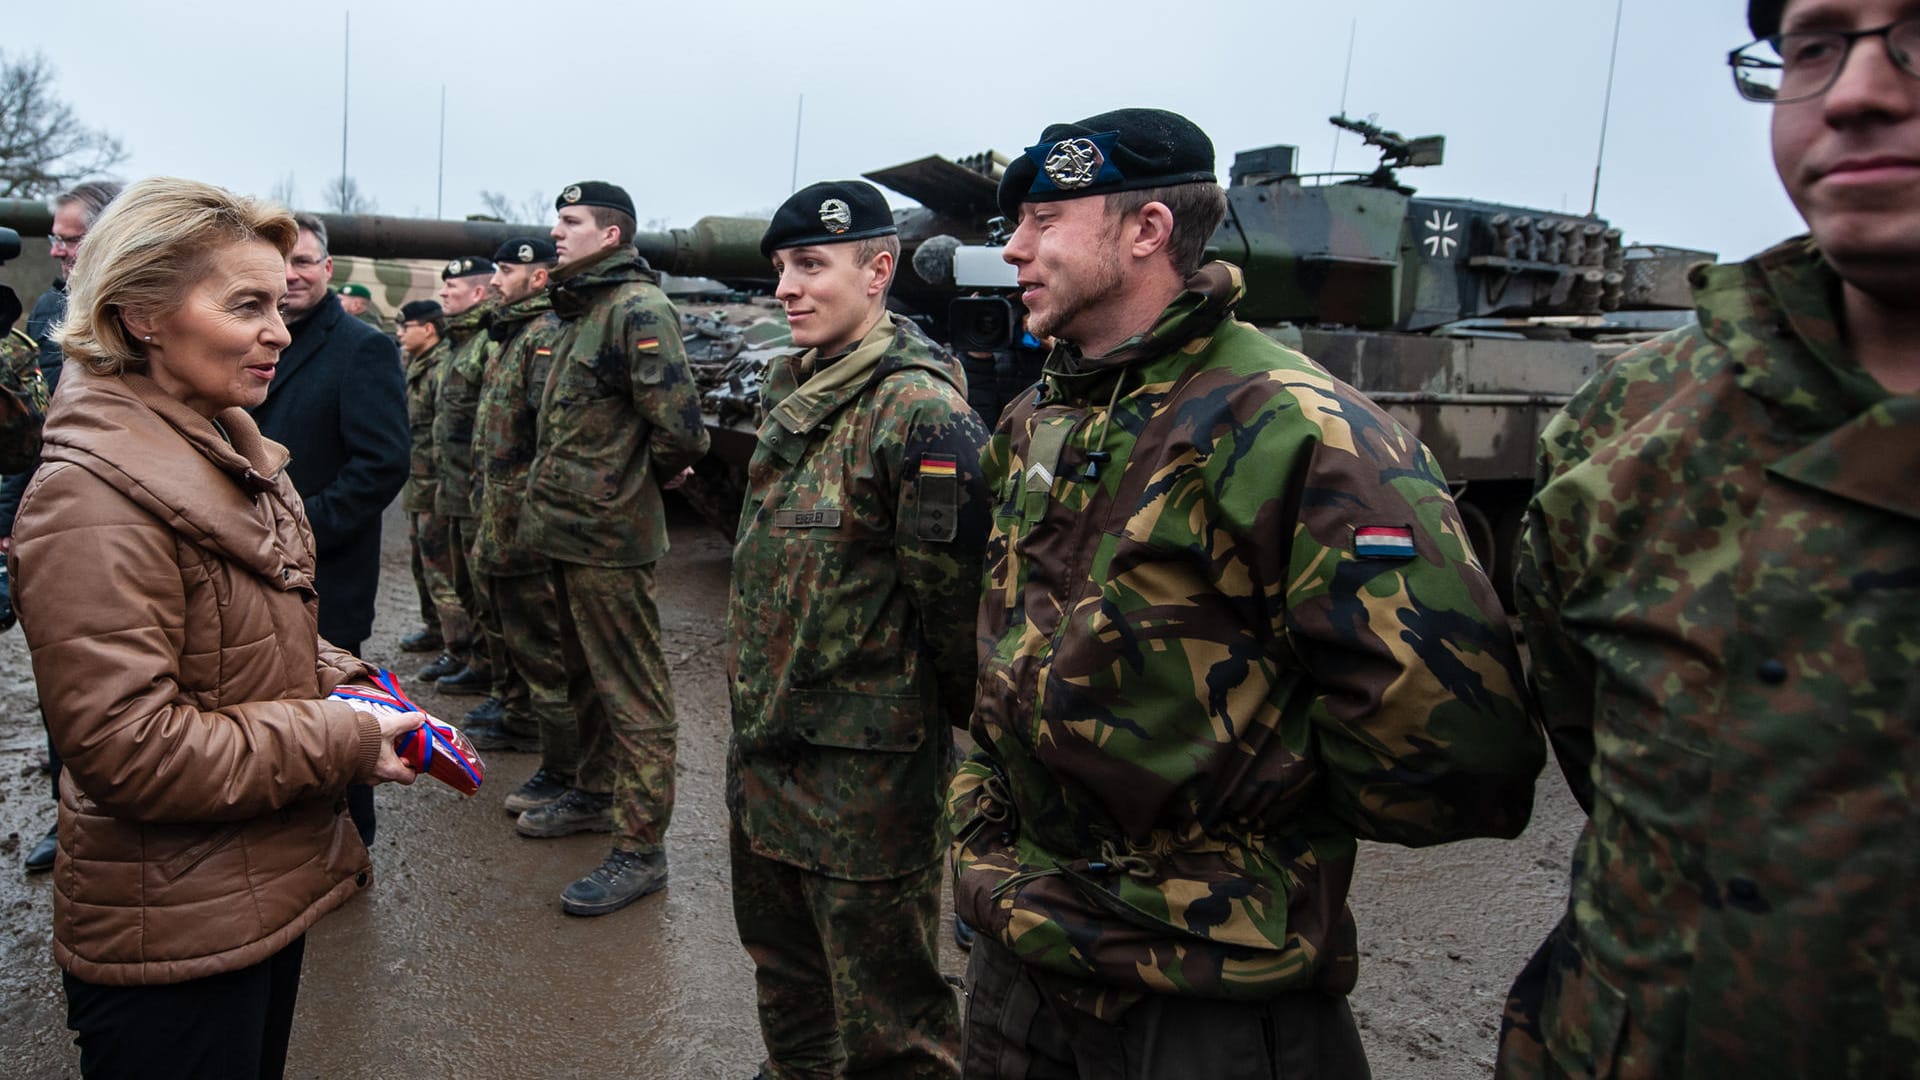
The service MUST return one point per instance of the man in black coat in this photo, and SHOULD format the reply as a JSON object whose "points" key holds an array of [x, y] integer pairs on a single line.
{"points": [[338, 404]]}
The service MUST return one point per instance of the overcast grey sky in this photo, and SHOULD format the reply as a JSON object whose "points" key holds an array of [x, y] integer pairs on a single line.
{"points": [[691, 105]]}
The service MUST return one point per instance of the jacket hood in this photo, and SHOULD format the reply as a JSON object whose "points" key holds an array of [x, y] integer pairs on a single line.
{"points": [[175, 463], [573, 288], [504, 322]]}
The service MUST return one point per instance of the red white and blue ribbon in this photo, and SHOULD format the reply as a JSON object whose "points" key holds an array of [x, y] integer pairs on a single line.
{"points": [[437, 749]]}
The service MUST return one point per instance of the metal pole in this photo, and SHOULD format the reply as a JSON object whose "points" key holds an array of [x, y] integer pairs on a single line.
{"points": [[1352, 32], [799, 110], [1606, 108], [440, 183], [346, 68]]}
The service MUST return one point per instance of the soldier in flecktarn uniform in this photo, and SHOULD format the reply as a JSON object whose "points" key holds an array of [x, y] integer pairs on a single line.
{"points": [[1231, 627], [456, 388], [619, 419], [856, 580], [1720, 584]]}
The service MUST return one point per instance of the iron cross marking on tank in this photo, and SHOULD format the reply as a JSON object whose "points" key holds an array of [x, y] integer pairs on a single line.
{"points": [[1438, 227]]}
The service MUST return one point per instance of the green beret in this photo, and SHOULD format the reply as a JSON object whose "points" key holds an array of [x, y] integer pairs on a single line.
{"points": [[354, 288], [830, 212], [1122, 150]]}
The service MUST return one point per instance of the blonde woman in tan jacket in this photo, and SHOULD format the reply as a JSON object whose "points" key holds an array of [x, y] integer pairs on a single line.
{"points": [[163, 570]]}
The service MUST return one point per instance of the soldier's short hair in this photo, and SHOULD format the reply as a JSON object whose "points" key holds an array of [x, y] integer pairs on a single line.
{"points": [[311, 223], [92, 197], [155, 243], [865, 250], [604, 216], [1198, 209]]}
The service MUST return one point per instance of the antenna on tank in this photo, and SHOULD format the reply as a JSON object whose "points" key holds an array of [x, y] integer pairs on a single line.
{"points": [[1353, 31], [1606, 108], [799, 110]]}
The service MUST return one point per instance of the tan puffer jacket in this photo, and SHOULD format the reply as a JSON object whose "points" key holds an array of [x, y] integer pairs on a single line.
{"points": [[164, 579]]}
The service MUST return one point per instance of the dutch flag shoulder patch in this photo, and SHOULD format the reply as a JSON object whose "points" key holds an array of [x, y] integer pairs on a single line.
{"points": [[1383, 542]]}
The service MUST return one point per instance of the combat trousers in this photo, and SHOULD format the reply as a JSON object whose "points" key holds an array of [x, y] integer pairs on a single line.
{"points": [[508, 685], [436, 567], [466, 589], [847, 973], [617, 684], [428, 616], [1019, 1028], [530, 622]]}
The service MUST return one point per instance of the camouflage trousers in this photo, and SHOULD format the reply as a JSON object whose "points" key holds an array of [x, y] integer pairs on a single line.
{"points": [[428, 616], [431, 541], [530, 626], [1019, 1027], [482, 644], [847, 973], [617, 684]]}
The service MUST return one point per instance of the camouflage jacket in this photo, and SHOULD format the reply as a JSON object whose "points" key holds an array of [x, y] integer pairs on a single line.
{"points": [[519, 352], [1720, 584], [457, 400], [423, 379], [23, 402], [619, 414], [1231, 624], [856, 581]]}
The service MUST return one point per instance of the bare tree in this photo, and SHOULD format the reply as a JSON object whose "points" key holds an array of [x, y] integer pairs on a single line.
{"points": [[345, 197], [283, 191], [43, 146], [531, 211]]}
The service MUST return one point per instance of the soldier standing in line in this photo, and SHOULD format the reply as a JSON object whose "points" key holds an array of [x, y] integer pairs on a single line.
{"points": [[464, 298], [421, 331], [619, 419], [515, 581], [856, 582], [1231, 627], [357, 300], [1720, 585]]}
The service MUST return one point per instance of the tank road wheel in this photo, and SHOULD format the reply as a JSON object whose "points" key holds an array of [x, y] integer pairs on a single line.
{"points": [[1496, 541], [1479, 532]]}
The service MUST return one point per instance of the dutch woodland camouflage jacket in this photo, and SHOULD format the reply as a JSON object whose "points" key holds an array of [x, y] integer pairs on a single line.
{"points": [[1231, 624], [1720, 583], [423, 380], [454, 409], [520, 340], [856, 582], [619, 414]]}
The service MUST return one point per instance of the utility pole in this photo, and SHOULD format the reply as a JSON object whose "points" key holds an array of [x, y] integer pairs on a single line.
{"points": [[440, 183], [799, 109], [346, 69]]}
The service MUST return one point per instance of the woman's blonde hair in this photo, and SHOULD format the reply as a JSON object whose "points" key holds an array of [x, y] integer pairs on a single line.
{"points": [[154, 243]]}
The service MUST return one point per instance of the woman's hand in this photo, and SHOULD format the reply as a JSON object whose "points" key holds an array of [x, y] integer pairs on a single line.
{"points": [[389, 766]]}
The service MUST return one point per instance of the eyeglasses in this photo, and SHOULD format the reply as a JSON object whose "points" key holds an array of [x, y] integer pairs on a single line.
{"points": [[1805, 64], [302, 262], [66, 241]]}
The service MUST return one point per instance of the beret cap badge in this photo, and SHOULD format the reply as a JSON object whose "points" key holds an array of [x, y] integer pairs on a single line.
{"points": [[1074, 163], [526, 253], [836, 216], [454, 267], [572, 194]]}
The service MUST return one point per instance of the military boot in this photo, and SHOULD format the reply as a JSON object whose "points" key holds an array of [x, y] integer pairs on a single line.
{"points": [[468, 680], [41, 857], [576, 811], [490, 711], [424, 640], [540, 789], [501, 737], [445, 665], [626, 876]]}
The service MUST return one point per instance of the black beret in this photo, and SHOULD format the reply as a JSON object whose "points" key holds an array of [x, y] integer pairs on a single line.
{"points": [[420, 311], [466, 266], [1122, 150], [526, 250], [596, 193], [829, 212], [1763, 16]]}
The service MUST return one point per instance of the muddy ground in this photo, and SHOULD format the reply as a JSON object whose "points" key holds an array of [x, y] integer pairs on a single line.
{"points": [[459, 963]]}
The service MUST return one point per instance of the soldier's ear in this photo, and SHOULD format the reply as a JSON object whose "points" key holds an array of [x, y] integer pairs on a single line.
{"points": [[880, 273], [1149, 230]]}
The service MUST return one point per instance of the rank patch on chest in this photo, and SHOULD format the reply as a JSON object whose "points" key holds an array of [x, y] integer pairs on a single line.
{"points": [[1383, 542]]}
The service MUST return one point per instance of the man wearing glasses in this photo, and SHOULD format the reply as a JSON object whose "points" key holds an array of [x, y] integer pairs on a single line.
{"points": [[1720, 586]]}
